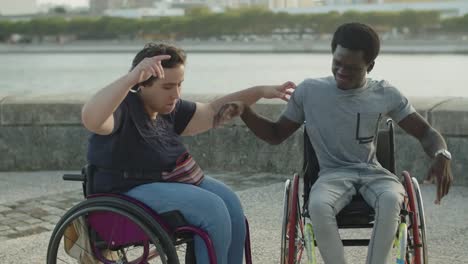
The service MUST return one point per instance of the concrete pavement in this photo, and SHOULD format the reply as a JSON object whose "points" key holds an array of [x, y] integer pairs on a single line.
{"points": [[30, 204]]}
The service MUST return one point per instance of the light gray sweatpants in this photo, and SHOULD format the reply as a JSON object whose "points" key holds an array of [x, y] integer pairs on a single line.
{"points": [[333, 191]]}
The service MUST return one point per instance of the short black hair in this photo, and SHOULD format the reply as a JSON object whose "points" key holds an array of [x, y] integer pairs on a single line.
{"points": [[357, 36], [178, 57]]}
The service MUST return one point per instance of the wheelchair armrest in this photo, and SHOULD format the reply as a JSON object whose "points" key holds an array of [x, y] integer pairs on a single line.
{"points": [[73, 177]]}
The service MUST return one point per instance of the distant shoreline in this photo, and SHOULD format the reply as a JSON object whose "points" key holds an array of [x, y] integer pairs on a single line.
{"points": [[304, 46]]}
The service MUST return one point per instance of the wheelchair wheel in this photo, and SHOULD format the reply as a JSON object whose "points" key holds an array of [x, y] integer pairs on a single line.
{"points": [[422, 220], [292, 239], [112, 231], [416, 249], [284, 245]]}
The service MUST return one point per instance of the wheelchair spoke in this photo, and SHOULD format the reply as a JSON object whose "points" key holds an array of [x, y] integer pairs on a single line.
{"points": [[299, 251], [300, 242]]}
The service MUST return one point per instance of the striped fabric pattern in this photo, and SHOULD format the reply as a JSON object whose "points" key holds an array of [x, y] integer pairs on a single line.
{"points": [[186, 171]]}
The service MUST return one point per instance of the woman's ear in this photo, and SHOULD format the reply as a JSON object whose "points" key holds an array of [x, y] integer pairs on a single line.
{"points": [[370, 67]]}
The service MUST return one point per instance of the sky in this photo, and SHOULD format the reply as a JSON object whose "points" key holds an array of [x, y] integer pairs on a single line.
{"points": [[73, 3]]}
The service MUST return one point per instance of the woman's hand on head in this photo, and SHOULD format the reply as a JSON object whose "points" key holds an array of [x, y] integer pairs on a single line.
{"points": [[282, 92], [148, 67]]}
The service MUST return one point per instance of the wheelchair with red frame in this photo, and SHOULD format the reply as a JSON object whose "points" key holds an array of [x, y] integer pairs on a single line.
{"points": [[297, 240], [117, 229]]}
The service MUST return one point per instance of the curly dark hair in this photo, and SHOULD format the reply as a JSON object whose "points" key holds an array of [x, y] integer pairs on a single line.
{"points": [[357, 36], [178, 57]]}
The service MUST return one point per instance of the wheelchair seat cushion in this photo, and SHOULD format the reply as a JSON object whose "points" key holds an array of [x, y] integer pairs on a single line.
{"points": [[356, 214]]}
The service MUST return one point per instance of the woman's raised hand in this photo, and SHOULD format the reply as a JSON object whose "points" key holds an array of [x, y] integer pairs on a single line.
{"points": [[148, 67], [282, 92]]}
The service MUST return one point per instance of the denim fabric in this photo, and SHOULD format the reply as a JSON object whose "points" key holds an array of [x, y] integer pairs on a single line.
{"points": [[211, 206]]}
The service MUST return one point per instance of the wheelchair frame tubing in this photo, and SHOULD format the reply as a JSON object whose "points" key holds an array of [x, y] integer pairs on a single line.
{"points": [[247, 247], [204, 236], [209, 244]]}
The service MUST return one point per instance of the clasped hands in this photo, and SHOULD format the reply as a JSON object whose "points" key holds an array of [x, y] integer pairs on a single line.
{"points": [[231, 110]]}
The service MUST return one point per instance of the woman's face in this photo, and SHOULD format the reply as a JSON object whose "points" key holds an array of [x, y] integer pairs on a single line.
{"points": [[162, 96]]}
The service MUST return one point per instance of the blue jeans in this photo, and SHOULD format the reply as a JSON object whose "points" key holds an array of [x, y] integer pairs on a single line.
{"points": [[211, 206]]}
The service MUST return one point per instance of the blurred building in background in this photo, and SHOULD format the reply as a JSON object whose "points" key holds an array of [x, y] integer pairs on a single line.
{"points": [[100, 6], [160, 9], [156, 8], [18, 7], [446, 8]]}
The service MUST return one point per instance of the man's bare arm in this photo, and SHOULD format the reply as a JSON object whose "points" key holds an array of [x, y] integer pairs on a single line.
{"points": [[431, 141], [207, 115], [272, 132]]}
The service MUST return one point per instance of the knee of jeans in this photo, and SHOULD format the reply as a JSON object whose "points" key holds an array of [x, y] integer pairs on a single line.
{"points": [[319, 209], [389, 202], [234, 207], [217, 219]]}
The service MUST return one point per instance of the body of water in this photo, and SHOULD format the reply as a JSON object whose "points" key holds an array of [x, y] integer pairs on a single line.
{"points": [[64, 73]]}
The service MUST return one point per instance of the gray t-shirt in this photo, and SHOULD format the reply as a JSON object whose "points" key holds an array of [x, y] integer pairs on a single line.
{"points": [[342, 124]]}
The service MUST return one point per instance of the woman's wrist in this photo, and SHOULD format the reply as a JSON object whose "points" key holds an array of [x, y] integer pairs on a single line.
{"points": [[262, 91], [129, 80]]}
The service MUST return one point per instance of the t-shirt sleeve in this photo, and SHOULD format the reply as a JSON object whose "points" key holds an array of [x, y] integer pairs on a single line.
{"points": [[183, 113], [399, 107], [295, 108]]}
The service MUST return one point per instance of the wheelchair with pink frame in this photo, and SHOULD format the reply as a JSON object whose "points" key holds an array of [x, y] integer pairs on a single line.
{"points": [[298, 244], [122, 230]]}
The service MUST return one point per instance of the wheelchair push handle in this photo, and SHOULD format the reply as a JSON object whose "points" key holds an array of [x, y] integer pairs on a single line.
{"points": [[73, 177]]}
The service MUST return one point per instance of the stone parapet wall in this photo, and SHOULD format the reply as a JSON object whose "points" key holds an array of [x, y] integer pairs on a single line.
{"points": [[45, 133]]}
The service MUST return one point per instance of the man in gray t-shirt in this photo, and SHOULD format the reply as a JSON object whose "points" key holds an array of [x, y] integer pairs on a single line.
{"points": [[341, 114], [342, 124]]}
